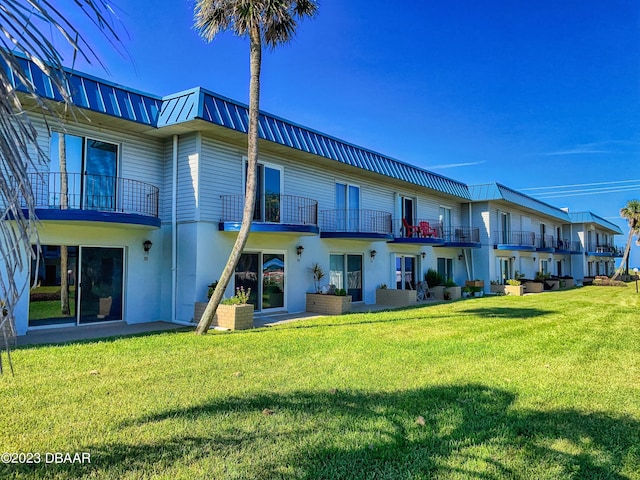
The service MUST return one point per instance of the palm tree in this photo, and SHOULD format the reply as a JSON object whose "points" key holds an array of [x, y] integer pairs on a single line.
{"points": [[272, 22], [30, 29], [631, 211]]}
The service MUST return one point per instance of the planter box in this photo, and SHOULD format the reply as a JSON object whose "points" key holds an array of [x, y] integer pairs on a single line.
{"points": [[396, 298], [437, 292], [233, 317], [517, 291], [328, 304], [533, 287], [567, 283], [497, 288], [554, 284], [455, 293], [474, 283]]}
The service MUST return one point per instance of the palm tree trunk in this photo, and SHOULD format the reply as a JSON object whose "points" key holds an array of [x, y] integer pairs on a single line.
{"points": [[625, 256], [255, 46], [64, 252]]}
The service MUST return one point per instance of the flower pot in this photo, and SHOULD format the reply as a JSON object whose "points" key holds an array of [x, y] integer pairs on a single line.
{"points": [[396, 298], [516, 290], [328, 304], [233, 317], [437, 292], [497, 288], [533, 287]]}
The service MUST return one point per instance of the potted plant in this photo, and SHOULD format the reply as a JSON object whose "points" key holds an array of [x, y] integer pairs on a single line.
{"points": [[451, 290], [496, 287], [514, 287], [436, 283], [466, 291], [235, 313], [395, 297], [326, 300]]}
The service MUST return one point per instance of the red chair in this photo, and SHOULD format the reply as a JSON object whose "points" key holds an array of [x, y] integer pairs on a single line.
{"points": [[427, 231], [410, 230]]}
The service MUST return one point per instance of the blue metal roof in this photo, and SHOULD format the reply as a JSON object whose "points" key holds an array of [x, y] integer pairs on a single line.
{"points": [[111, 99], [590, 217], [93, 94], [497, 191], [202, 104]]}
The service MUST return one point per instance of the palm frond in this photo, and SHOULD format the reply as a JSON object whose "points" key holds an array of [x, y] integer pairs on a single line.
{"points": [[29, 29]]}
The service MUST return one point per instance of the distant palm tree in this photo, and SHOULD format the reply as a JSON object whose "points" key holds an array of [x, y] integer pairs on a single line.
{"points": [[30, 29], [631, 211], [272, 22]]}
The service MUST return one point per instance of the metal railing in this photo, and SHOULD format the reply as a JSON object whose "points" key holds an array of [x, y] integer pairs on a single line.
{"points": [[355, 221], [77, 191], [458, 234], [524, 239], [604, 248], [545, 241], [568, 246], [272, 208]]}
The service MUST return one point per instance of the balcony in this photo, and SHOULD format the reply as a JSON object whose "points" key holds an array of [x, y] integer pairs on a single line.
{"points": [[522, 241], [94, 198], [421, 232], [461, 237], [545, 243], [603, 250], [274, 213], [567, 247], [366, 225]]}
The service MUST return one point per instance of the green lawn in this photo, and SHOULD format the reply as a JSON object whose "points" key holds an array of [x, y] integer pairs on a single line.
{"points": [[538, 387]]}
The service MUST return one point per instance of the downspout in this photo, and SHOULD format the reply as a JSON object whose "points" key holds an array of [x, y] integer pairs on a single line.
{"points": [[174, 228], [470, 230]]}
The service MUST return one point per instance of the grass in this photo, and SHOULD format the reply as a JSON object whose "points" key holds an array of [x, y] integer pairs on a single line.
{"points": [[537, 387]]}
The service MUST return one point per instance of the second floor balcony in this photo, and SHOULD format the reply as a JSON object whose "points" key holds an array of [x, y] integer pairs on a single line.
{"points": [[275, 213], [514, 240], [603, 250], [567, 246], [99, 198], [356, 224], [545, 243]]}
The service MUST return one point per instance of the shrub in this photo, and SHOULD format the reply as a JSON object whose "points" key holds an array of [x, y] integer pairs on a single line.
{"points": [[514, 283], [341, 292], [607, 282], [211, 288], [450, 283], [241, 297], [433, 278]]}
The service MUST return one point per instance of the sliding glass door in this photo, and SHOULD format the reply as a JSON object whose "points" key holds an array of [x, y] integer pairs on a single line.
{"points": [[264, 274], [101, 284]]}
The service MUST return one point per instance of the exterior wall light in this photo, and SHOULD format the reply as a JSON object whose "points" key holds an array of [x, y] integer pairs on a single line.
{"points": [[424, 254], [373, 254], [299, 250], [147, 246], [461, 256], [533, 258]]}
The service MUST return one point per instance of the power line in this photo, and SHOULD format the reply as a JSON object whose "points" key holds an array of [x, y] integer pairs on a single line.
{"points": [[579, 185], [592, 191]]}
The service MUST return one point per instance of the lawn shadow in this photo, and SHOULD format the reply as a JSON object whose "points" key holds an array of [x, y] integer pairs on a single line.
{"points": [[467, 431], [508, 312]]}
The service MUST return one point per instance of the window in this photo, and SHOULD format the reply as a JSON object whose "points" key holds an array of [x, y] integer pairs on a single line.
{"points": [[406, 272], [345, 271], [348, 207], [268, 193], [89, 168], [445, 218], [504, 220], [445, 268]]}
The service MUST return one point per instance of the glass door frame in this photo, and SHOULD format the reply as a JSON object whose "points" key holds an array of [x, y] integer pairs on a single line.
{"points": [[260, 280], [79, 287]]}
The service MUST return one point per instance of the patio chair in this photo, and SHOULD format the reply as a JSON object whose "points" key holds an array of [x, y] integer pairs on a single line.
{"points": [[423, 291], [427, 230], [410, 230]]}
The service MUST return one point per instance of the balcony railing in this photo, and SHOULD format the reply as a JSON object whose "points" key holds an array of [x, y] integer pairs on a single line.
{"points": [[568, 246], [604, 248], [461, 234], [523, 239], [355, 221], [272, 208], [545, 241], [94, 192]]}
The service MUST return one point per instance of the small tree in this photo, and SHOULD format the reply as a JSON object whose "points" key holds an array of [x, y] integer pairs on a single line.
{"points": [[272, 22], [631, 212]]}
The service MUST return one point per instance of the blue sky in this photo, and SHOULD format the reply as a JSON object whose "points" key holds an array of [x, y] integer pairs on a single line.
{"points": [[530, 94]]}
